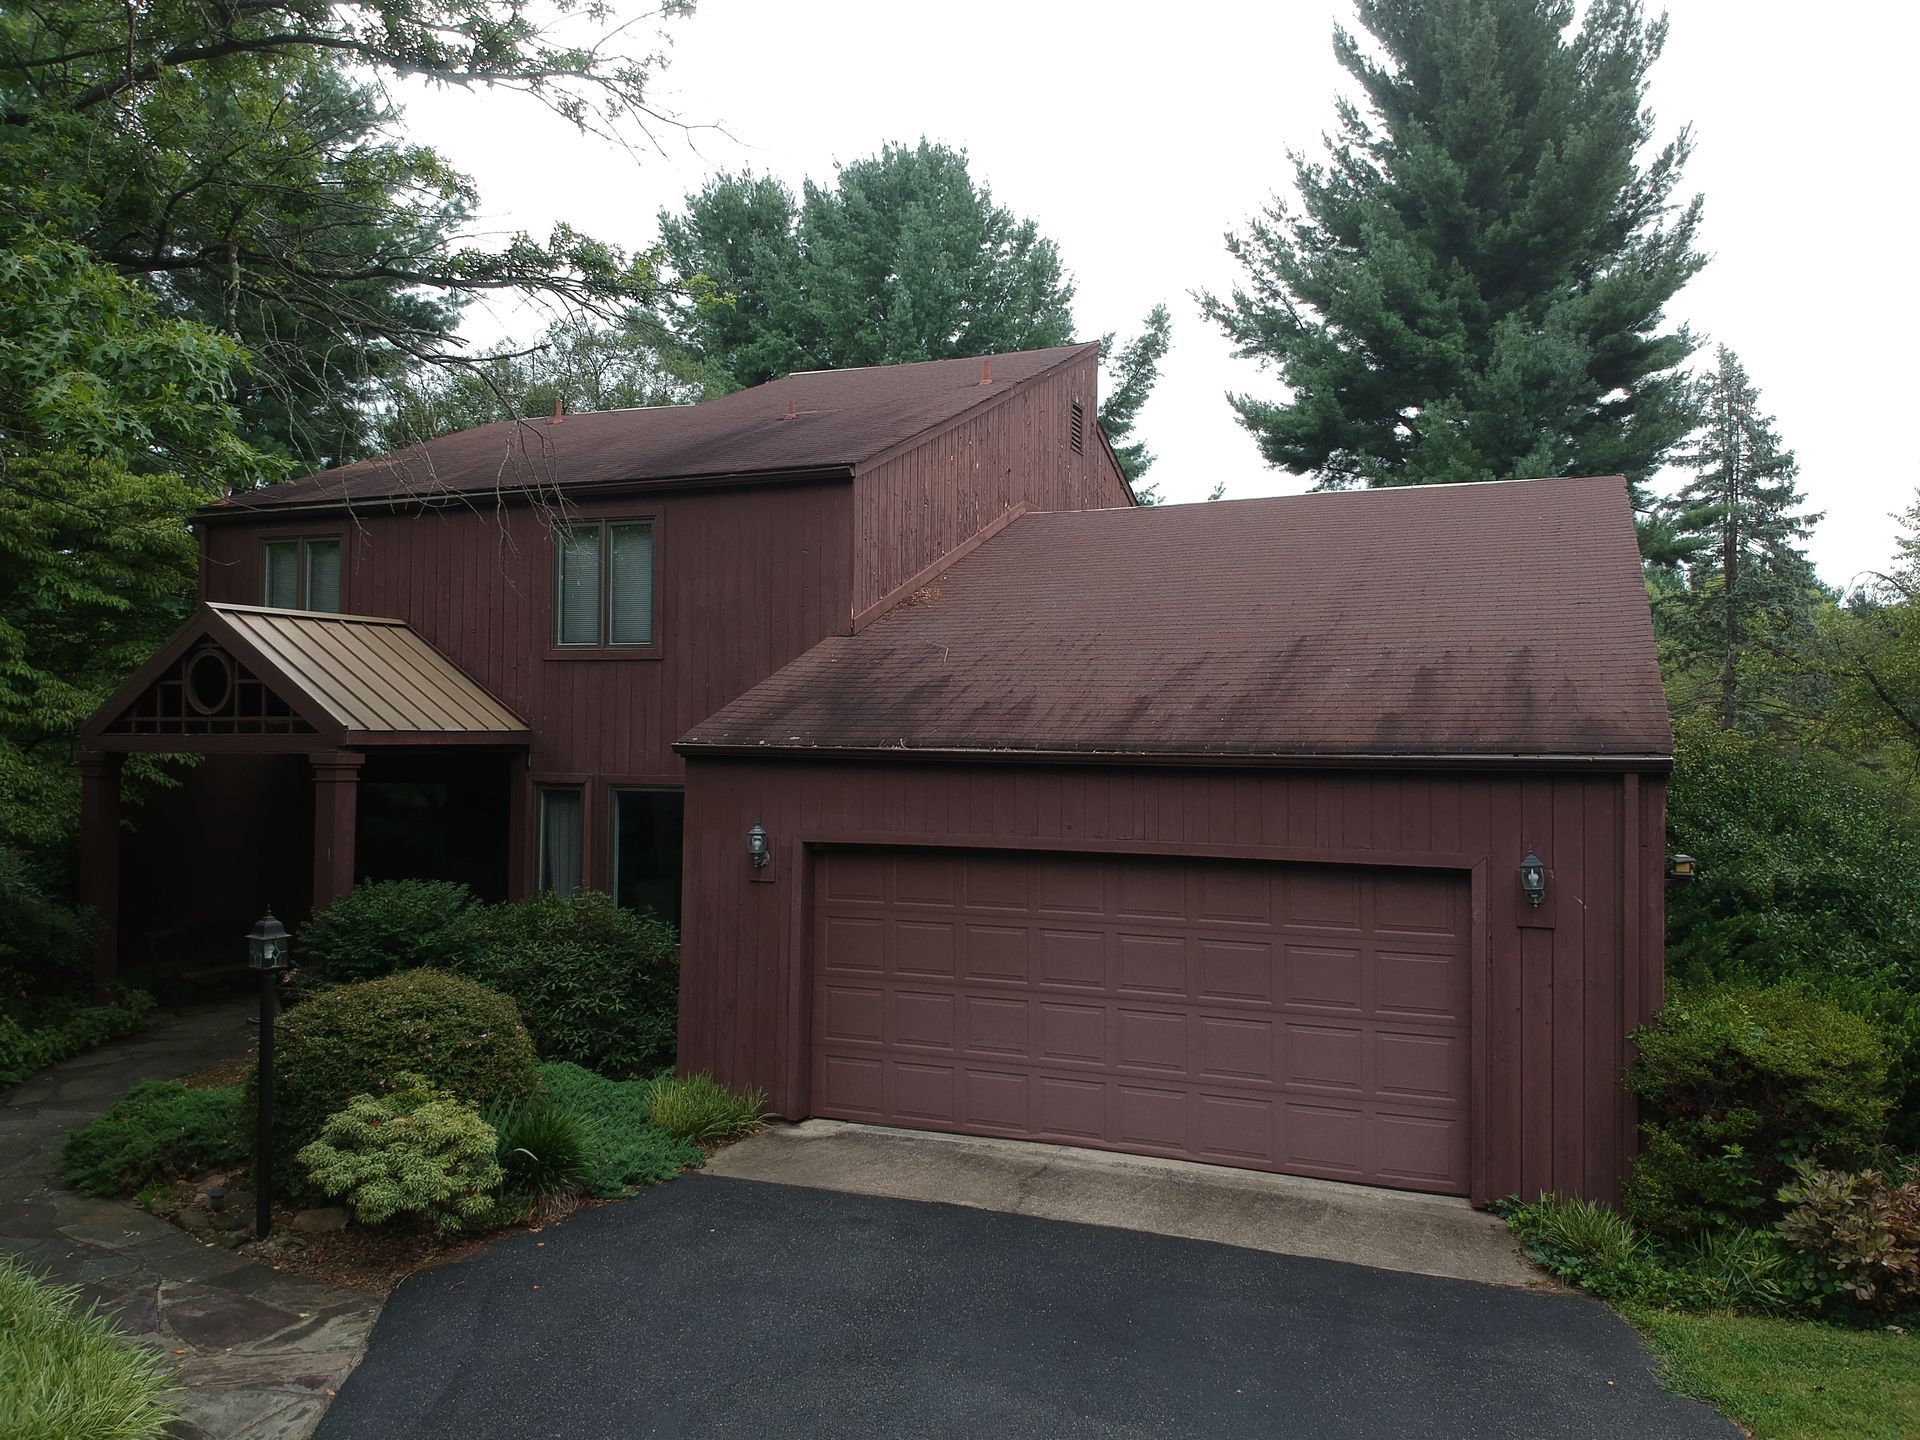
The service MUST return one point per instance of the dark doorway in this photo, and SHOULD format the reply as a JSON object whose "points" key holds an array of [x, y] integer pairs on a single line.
{"points": [[647, 828], [435, 817]]}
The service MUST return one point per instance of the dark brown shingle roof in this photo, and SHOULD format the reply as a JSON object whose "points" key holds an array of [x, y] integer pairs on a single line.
{"points": [[839, 419], [1495, 620]]}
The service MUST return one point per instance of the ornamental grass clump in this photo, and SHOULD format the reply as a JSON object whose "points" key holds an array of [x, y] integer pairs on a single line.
{"points": [[414, 1151], [700, 1109], [542, 1150], [66, 1372]]}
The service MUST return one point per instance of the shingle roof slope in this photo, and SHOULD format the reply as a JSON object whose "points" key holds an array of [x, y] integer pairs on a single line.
{"points": [[839, 418], [1495, 620]]}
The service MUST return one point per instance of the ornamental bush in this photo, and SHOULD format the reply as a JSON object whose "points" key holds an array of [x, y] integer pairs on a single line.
{"points": [[700, 1109], [457, 1035], [161, 1131], [67, 1371], [392, 925], [1744, 1082], [414, 1151], [1857, 1234], [599, 985]]}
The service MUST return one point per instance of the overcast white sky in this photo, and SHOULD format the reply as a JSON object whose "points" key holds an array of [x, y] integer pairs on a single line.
{"points": [[1135, 135]]}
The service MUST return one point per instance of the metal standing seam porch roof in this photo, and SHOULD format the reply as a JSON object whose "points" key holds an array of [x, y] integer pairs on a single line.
{"points": [[356, 679], [1492, 623]]}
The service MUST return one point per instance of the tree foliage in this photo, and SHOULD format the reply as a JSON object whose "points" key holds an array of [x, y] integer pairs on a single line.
{"points": [[1748, 587], [244, 164], [1471, 285], [903, 258]]}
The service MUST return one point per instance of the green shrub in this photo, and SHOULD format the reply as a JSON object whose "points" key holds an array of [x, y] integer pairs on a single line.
{"points": [[67, 1373], [44, 945], [161, 1131], [393, 925], [698, 1108], [50, 1032], [1586, 1245], [543, 1148], [460, 1036], [624, 1147], [1805, 874], [599, 986], [1743, 1082], [414, 1151], [1857, 1235]]}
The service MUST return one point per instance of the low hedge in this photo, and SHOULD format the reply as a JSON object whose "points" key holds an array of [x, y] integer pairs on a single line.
{"points": [[458, 1035], [597, 985], [57, 1030], [623, 1145]]}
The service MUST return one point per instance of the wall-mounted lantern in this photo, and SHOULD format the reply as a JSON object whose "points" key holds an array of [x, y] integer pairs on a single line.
{"points": [[1533, 879], [1680, 869], [270, 954], [759, 849]]}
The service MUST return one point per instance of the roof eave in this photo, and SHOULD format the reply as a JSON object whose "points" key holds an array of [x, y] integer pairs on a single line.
{"points": [[235, 509], [1640, 761]]}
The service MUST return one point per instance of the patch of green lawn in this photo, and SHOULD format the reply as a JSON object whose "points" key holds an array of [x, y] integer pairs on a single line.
{"points": [[1791, 1379], [66, 1373]]}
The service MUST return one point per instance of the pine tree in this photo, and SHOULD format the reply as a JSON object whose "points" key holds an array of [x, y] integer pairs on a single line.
{"points": [[1738, 523], [1135, 367], [1472, 285]]}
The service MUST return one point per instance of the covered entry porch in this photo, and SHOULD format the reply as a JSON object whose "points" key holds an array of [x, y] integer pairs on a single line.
{"points": [[338, 747]]}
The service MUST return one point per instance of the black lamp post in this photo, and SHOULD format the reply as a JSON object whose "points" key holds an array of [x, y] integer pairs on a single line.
{"points": [[269, 953]]}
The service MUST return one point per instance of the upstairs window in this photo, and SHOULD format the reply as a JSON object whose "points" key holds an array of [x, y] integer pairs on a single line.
{"points": [[603, 576], [303, 574]]}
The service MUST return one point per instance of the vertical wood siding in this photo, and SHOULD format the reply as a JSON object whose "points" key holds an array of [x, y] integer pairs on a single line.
{"points": [[916, 506], [750, 578], [1557, 991]]}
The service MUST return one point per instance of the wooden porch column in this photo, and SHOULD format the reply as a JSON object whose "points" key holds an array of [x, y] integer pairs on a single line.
{"points": [[336, 794], [520, 878], [98, 886]]}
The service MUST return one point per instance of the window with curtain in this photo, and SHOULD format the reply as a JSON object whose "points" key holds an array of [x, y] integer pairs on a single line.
{"points": [[303, 574], [562, 829], [603, 584]]}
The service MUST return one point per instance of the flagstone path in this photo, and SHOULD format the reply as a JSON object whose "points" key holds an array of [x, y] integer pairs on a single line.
{"points": [[258, 1353]]}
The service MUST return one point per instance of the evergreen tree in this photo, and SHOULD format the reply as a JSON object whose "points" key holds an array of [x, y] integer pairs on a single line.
{"points": [[1471, 286], [1135, 368], [1738, 523], [904, 257]]}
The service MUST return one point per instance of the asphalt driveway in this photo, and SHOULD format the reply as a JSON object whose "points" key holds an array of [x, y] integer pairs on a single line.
{"points": [[716, 1307]]}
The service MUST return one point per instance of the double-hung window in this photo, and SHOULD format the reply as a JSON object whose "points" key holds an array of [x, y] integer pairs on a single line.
{"points": [[303, 574], [603, 585]]}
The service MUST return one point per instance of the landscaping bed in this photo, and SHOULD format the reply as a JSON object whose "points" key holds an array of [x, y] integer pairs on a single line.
{"points": [[417, 1115]]}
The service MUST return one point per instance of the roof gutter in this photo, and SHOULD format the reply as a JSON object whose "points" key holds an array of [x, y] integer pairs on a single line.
{"points": [[1648, 761], [435, 498]]}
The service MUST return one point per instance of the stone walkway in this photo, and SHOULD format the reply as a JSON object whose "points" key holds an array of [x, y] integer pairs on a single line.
{"points": [[259, 1352]]}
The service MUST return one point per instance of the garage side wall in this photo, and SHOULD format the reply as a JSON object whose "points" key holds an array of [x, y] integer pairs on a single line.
{"points": [[1557, 990]]}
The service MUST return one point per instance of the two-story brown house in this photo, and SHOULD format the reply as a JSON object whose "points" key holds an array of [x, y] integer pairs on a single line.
{"points": [[983, 799]]}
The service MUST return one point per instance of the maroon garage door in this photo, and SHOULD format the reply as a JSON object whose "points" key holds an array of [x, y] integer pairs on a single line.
{"points": [[1305, 1018]]}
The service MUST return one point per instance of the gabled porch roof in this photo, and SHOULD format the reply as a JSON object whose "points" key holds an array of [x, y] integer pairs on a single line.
{"points": [[248, 678]]}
